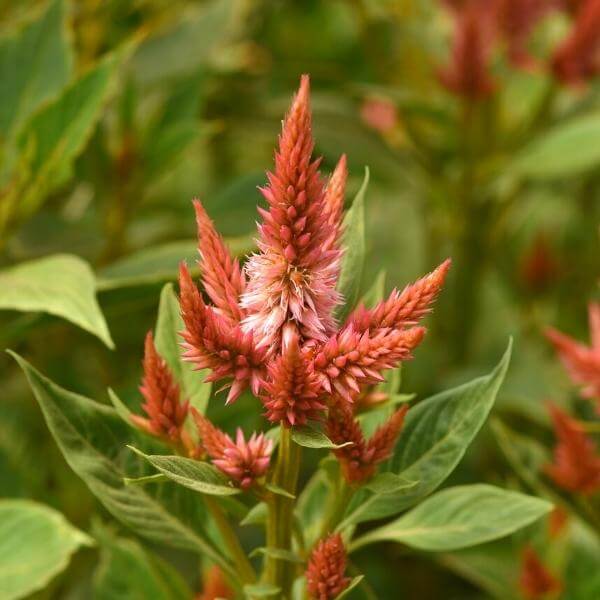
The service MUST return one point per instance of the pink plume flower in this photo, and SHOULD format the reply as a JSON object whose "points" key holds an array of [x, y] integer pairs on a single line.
{"points": [[581, 362], [166, 413], [325, 577], [576, 465], [221, 274], [242, 461], [294, 275], [359, 459]]}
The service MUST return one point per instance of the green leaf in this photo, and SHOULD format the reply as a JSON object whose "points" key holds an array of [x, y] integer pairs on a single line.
{"points": [[261, 590], [35, 64], [61, 285], [92, 437], [277, 553], [354, 245], [36, 543], [567, 150], [167, 338], [309, 437], [460, 517], [257, 515], [279, 491], [121, 408], [127, 570], [388, 483], [353, 583], [435, 436], [194, 474], [60, 130]]}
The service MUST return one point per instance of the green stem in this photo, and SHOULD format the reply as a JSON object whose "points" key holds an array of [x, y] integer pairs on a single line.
{"points": [[244, 568], [340, 498]]}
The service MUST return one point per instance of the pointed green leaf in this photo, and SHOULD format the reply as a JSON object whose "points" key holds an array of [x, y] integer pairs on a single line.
{"points": [[35, 64], [277, 553], [354, 245], [388, 483], [36, 543], [92, 437], [279, 491], [60, 285], [460, 517], [353, 583], [257, 515], [435, 436], [309, 437], [168, 327], [194, 474], [121, 408], [261, 590]]}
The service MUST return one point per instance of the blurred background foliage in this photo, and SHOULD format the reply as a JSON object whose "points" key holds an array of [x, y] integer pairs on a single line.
{"points": [[115, 114]]}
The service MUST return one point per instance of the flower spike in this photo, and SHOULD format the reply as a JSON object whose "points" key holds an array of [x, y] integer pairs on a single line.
{"points": [[243, 461], [294, 275], [576, 465], [536, 582], [212, 341], [221, 274], [166, 413], [214, 586], [326, 567]]}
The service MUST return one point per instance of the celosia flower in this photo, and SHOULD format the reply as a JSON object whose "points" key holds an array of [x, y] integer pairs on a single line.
{"points": [[242, 461], [468, 74], [576, 465], [379, 114], [359, 459], [272, 326], [536, 582], [578, 57], [581, 362], [214, 586], [166, 412], [539, 265], [325, 577]]}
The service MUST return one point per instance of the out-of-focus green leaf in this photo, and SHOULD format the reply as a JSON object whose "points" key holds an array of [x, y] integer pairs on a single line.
{"points": [[435, 436], [460, 517], [261, 590], [92, 438], [61, 285], [168, 327], [257, 515], [127, 570], [35, 64], [36, 543], [566, 150], [375, 293], [194, 474], [354, 250], [353, 583]]}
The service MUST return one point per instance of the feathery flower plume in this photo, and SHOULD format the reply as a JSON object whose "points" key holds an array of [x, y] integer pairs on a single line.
{"points": [[359, 460], [242, 461], [576, 465], [468, 74], [535, 581], [294, 275], [214, 586], [212, 341], [293, 394], [581, 362], [334, 199], [221, 274], [325, 577], [578, 57], [166, 413]]}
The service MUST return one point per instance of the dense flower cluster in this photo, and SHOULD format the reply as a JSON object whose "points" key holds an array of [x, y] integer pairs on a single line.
{"points": [[576, 465], [326, 567]]}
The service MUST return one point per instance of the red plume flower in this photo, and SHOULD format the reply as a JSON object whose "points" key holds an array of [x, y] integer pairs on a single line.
{"points": [[581, 362], [166, 413], [359, 459], [468, 74], [578, 57], [294, 275], [536, 582], [243, 461], [215, 586], [326, 567], [576, 465]]}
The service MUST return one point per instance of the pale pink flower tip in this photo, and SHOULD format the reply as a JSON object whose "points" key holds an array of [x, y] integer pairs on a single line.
{"points": [[242, 461], [581, 362], [325, 577], [166, 413]]}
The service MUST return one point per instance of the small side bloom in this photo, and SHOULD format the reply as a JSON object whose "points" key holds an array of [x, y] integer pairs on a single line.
{"points": [[359, 459], [243, 461], [325, 577], [576, 465], [214, 586], [536, 582], [581, 362], [166, 412]]}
